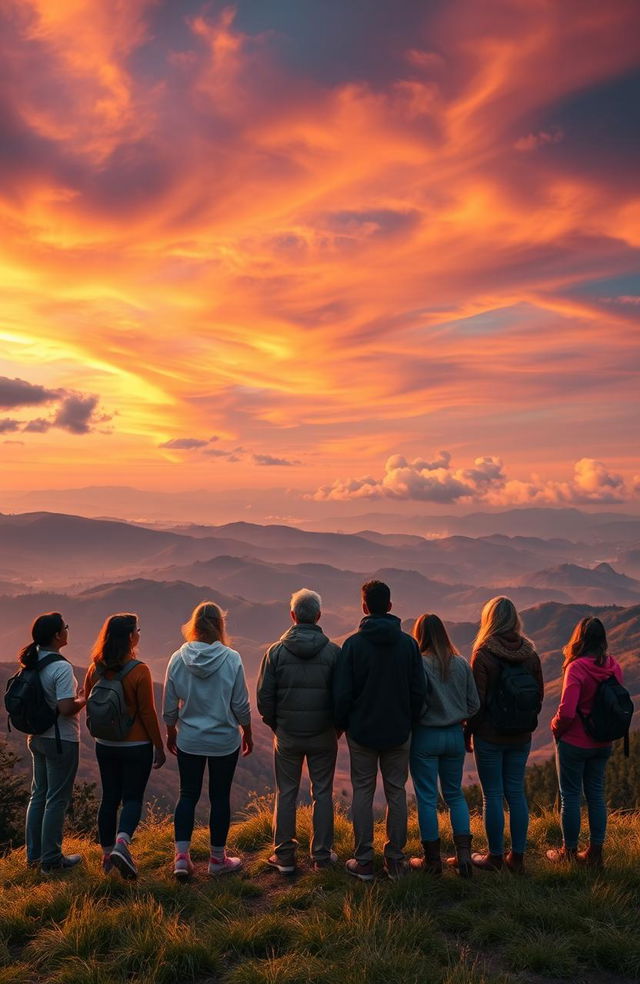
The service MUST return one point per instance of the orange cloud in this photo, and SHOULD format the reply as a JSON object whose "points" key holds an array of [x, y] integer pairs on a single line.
{"points": [[317, 251]]}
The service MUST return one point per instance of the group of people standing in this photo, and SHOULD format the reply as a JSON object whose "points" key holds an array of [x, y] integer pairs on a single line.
{"points": [[405, 703]]}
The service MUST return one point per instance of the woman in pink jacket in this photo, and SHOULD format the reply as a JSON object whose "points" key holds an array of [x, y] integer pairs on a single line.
{"points": [[580, 760]]}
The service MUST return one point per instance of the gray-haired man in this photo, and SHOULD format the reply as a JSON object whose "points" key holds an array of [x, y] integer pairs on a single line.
{"points": [[295, 701]]}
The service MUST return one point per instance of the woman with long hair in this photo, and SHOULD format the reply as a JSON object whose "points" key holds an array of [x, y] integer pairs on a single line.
{"points": [[581, 761], [55, 752], [208, 718], [508, 676], [437, 744], [125, 762]]}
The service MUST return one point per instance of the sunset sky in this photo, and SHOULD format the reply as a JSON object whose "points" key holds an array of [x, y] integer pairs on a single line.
{"points": [[363, 251]]}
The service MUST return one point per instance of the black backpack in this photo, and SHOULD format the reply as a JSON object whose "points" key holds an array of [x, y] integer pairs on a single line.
{"points": [[610, 716], [514, 701], [26, 703]]}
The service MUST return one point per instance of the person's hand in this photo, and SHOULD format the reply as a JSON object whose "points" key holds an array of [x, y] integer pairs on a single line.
{"points": [[159, 758], [247, 741], [172, 737]]}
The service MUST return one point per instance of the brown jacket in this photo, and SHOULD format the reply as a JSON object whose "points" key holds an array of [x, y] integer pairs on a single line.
{"points": [[485, 663], [138, 695]]}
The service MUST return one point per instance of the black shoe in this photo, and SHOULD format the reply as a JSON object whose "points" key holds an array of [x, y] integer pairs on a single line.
{"points": [[65, 861]]}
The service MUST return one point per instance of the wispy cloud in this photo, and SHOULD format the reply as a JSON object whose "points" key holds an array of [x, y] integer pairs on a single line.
{"points": [[328, 235]]}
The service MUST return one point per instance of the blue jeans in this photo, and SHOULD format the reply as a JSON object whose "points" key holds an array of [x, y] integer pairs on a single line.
{"points": [[438, 752], [501, 771], [51, 791], [578, 768]]}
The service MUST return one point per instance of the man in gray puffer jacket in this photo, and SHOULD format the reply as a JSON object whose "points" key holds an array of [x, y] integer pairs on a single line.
{"points": [[295, 701]]}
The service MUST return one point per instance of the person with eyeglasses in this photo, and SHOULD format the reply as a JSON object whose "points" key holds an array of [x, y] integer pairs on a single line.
{"points": [[55, 752]]}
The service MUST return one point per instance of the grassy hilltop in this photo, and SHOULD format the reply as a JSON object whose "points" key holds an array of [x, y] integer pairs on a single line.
{"points": [[260, 928]]}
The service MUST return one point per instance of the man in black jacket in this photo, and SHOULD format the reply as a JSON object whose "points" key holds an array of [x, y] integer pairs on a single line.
{"points": [[379, 692], [294, 699]]}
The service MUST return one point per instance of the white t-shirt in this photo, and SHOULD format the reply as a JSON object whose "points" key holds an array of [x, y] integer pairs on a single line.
{"points": [[59, 683]]}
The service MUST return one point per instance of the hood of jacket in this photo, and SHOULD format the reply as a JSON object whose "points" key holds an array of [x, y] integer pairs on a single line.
{"points": [[204, 658], [381, 630], [587, 666], [512, 647], [304, 640]]}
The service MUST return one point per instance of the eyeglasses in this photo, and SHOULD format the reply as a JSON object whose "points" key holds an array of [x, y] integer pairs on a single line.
{"points": [[66, 625]]}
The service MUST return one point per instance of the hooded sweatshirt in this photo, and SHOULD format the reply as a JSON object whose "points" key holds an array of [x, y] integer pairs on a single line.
{"points": [[485, 663], [205, 695], [449, 701], [380, 685], [579, 687], [294, 686]]}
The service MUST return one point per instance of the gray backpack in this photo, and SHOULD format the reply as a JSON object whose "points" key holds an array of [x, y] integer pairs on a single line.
{"points": [[107, 715]]}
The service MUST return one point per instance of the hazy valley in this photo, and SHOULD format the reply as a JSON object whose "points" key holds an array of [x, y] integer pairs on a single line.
{"points": [[89, 568]]}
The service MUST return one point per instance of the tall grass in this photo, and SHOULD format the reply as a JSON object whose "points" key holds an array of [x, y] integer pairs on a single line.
{"points": [[559, 922]]}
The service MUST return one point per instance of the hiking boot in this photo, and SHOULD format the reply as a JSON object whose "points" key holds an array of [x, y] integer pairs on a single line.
{"points": [[462, 859], [182, 867], [592, 856], [224, 866], [561, 854], [395, 868], [362, 871], [34, 863], [431, 864], [323, 863], [123, 862], [284, 867], [487, 862], [63, 863], [515, 863]]}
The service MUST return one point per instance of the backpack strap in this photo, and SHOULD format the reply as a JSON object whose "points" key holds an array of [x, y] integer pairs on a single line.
{"points": [[49, 658], [131, 665]]}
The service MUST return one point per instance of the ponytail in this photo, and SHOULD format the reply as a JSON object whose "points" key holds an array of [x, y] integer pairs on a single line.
{"points": [[43, 631]]}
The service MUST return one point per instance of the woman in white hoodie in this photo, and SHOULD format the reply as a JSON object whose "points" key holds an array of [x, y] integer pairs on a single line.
{"points": [[208, 718]]}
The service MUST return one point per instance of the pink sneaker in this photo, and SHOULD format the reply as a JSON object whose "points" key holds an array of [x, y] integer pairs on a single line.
{"points": [[183, 867], [225, 865]]}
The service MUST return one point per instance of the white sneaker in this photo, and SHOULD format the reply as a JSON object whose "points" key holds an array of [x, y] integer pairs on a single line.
{"points": [[183, 867], [225, 865]]}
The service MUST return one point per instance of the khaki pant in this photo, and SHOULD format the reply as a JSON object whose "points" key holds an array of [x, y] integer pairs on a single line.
{"points": [[394, 768], [290, 752]]}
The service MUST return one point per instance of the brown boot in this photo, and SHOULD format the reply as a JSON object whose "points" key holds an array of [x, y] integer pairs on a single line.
{"points": [[515, 863], [463, 855], [561, 854], [592, 856], [431, 864], [487, 862]]}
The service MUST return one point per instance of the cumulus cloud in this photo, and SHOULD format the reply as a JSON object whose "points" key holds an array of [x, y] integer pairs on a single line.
{"points": [[269, 459], [533, 141], [78, 414], [37, 426], [8, 425], [485, 482], [20, 393], [183, 443]]}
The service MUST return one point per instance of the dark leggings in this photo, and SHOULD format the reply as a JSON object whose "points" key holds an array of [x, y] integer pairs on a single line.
{"points": [[221, 770], [124, 772]]}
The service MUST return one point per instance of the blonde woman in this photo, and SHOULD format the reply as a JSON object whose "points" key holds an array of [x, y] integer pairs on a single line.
{"points": [[437, 744], [508, 675], [208, 718]]}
